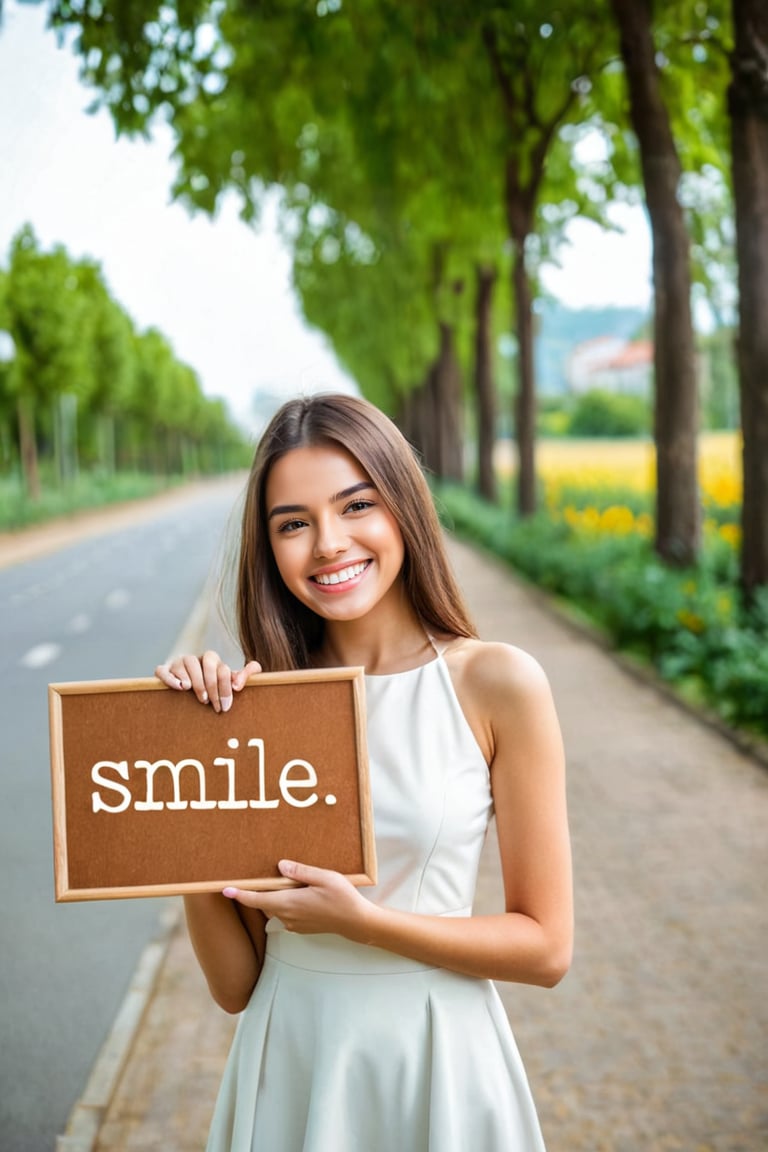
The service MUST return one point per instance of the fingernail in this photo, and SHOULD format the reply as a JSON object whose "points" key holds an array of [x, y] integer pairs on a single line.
{"points": [[231, 893], [204, 697], [226, 703]]}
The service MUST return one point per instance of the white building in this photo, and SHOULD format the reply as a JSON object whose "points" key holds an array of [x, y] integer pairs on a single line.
{"points": [[611, 364]]}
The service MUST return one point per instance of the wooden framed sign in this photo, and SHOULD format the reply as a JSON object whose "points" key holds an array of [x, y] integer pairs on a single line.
{"points": [[155, 794]]}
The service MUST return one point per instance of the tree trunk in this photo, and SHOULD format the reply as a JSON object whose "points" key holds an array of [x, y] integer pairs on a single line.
{"points": [[404, 419], [748, 109], [445, 439], [676, 395], [452, 406], [107, 441], [529, 139], [65, 437], [525, 400], [28, 446], [485, 392], [428, 420], [417, 422]]}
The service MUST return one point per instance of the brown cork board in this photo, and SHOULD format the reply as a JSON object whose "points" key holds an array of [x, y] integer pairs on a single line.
{"points": [[155, 794]]}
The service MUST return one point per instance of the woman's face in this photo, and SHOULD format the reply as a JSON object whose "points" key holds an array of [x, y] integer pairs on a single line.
{"points": [[337, 547]]}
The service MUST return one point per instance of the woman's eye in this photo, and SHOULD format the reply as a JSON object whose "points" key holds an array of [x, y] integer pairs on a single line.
{"points": [[359, 505], [291, 526]]}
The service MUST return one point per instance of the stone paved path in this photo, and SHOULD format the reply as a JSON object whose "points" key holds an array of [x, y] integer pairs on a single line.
{"points": [[657, 1040]]}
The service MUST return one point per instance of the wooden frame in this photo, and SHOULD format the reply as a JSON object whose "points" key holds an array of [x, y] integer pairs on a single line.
{"points": [[155, 794]]}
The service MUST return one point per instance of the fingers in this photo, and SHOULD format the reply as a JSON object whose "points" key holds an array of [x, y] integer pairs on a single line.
{"points": [[212, 681], [322, 901], [180, 673], [169, 677], [240, 678], [303, 873]]}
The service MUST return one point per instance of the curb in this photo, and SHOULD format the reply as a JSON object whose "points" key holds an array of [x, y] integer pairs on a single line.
{"points": [[84, 1124], [85, 1119]]}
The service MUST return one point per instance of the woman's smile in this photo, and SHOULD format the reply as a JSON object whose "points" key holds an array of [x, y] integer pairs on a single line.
{"points": [[337, 546], [333, 578]]}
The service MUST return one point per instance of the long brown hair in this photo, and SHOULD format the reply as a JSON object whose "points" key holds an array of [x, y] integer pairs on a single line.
{"points": [[276, 628]]}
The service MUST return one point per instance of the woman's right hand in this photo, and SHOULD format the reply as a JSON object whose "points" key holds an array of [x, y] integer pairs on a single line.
{"points": [[211, 680]]}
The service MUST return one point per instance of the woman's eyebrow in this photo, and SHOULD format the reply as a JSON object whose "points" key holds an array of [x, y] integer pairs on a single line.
{"points": [[287, 509], [347, 492]]}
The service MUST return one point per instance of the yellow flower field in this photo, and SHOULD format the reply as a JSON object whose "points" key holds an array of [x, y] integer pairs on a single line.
{"points": [[592, 544], [594, 466], [631, 464]]}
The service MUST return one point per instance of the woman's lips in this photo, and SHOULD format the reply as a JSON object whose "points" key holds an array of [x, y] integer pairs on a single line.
{"points": [[341, 576]]}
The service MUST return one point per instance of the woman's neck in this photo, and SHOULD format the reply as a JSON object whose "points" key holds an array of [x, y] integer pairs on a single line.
{"points": [[381, 646]]}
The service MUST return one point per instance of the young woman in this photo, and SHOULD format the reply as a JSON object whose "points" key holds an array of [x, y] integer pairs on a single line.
{"points": [[369, 1020]]}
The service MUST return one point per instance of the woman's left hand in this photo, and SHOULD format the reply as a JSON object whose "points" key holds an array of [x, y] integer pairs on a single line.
{"points": [[327, 902]]}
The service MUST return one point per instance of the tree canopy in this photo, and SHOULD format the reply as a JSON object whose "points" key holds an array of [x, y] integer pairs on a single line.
{"points": [[424, 150], [82, 372]]}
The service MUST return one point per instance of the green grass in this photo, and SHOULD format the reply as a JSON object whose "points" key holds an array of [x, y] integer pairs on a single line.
{"points": [[17, 510]]}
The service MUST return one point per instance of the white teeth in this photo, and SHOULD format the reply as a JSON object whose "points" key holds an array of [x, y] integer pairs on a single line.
{"points": [[342, 576]]}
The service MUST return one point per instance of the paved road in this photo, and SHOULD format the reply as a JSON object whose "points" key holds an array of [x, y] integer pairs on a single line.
{"points": [[109, 606]]}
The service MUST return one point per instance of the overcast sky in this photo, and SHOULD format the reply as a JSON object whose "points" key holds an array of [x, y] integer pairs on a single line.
{"points": [[219, 290]]}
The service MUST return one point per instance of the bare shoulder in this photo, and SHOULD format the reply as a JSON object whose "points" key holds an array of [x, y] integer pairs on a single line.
{"points": [[501, 688], [495, 671]]}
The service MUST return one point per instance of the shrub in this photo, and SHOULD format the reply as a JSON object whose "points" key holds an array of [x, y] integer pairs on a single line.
{"points": [[600, 413], [690, 624]]}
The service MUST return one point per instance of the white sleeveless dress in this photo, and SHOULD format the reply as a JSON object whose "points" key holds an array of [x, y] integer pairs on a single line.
{"points": [[348, 1048]]}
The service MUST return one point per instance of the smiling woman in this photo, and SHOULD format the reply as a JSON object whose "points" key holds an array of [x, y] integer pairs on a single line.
{"points": [[308, 493], [364, 1008]]}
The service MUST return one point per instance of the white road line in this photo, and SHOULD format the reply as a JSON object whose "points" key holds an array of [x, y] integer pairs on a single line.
{"points": [[79, 624], [40, 655], [117, 598], [29, 593]]}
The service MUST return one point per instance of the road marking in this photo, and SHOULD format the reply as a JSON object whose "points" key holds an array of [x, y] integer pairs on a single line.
{"points": [[79, 624], [40, 655], [29, 593], [117, 598]]}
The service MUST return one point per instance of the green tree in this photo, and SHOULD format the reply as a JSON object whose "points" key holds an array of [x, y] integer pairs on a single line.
{"points": [[406, 123], [149, 407], [365, 106], [676, 396], [669, 89], [44, 315], [748, 110], [107, 337], [542, 65], [720, 383], [7, 401]]}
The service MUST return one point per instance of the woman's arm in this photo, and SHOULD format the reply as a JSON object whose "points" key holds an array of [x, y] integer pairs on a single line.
{"points": [[507, 700], [229, 944], [228, 940]]}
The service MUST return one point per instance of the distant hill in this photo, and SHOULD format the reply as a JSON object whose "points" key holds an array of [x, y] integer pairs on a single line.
{"points": [[560, 329]]}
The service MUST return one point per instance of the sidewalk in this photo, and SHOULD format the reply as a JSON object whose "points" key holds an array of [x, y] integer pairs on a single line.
{"points": [[656, 1040]]}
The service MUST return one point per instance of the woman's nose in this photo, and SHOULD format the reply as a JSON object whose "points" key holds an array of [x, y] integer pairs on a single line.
{"points": [[331, 539]]}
